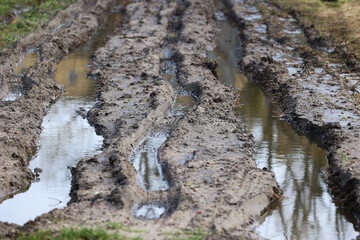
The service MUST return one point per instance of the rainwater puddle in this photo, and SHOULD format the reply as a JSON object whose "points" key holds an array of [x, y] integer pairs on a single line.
{"points": [[66, 137], [12, 96], [184, 101], [308, 211], [30, 59], [150, 211], [293, 70], [145, 160], [145, 156]]}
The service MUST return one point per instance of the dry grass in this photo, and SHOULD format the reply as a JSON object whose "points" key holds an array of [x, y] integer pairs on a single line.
{"points": [[341, 19]]}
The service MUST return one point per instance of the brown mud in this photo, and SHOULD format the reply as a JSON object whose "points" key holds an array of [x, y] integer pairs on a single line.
{"points": [[314, 90], [207, 160], [21, 119]]}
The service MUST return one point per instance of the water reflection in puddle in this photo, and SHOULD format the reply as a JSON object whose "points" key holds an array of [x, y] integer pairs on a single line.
{"points": [[30, 59], [145, 160], [150, 211], [308, 211], [12, 96], [66, 137]]}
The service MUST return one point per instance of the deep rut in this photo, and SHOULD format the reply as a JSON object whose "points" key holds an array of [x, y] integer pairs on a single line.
{"points": [[207, 159]]}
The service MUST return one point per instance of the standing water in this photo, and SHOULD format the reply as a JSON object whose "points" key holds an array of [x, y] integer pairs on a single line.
{"points": [[308, 210], [66, 137]]}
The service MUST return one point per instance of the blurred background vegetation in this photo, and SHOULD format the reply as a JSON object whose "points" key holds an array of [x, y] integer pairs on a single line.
{"points": [[19, 17]]}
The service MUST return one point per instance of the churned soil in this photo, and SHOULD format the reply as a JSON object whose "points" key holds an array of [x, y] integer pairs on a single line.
{"points": [[207, 159], [20, 124], [316, 92]]}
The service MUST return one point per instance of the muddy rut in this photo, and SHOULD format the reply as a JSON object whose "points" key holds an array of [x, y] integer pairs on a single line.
{"points": [[315, 91], [154, 61]]}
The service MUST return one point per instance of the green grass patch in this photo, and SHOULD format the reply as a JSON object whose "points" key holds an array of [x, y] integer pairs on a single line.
{"points": [[196, 234], [75, 234], [119, 226], [42, 11]]}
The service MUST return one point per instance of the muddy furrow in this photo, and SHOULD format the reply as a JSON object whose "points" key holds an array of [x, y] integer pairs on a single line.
{"points": [[134, 102], [20, 124], [209, 154], [310, 86], [207, 159]]}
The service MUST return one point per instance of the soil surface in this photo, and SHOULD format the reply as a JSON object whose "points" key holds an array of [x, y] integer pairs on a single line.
{"points": [[20, 124], [315, 91], [207, 159]]}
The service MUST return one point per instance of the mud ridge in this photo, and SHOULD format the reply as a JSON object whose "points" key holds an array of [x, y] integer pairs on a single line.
{"points": [[311, 88]]}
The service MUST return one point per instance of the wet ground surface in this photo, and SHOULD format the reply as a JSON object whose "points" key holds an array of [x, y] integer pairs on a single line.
{"points": [[174, 149], [30, 59], [65, 139], [308, 210]]}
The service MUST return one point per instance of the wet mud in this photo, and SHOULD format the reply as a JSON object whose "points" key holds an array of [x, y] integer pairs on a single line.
{"points": [[154, 77], [313, 89], [160, 97], [21, 119]]}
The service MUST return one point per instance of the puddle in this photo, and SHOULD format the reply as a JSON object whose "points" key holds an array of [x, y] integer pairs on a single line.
{"points": [[184, 101], [252, 17], [182, 104], [145, 156], [308, 211], [150, 211], [293, 70], [30, 59], [145, 160], [293, 32], [12, 96], [227, 60], [66, 137]]}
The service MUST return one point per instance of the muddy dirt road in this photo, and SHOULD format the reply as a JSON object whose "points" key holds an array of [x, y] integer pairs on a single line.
{"points": [[174, 150]]}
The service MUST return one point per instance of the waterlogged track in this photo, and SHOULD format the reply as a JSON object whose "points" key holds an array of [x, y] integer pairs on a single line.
{"points": [[314, 93], [159, 99], [20, 124], [299, 166], [155, 78], [66, 136]]}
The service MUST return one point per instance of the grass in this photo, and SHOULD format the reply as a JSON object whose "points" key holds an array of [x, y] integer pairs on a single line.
{"points": [[107, 234], [7, 6], [196, 234], [340, 20], [42, 11], [75, 234], [119, 226]]}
